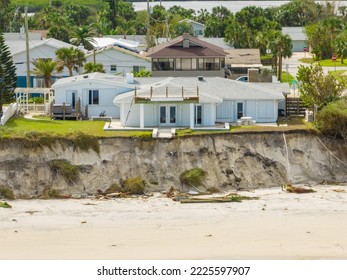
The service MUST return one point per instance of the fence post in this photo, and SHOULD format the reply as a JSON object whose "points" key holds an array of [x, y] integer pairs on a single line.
{"points": [[64, 111]]}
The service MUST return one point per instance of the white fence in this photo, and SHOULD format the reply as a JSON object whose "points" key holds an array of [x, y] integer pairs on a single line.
{"points": [[8, 113]]}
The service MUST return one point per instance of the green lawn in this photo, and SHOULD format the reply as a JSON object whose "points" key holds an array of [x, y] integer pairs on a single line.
{"points": [[285, 78], [20, 126], [45, 3], [325, 62]]}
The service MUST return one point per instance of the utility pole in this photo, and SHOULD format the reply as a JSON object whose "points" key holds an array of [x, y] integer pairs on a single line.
{"points": [[27, 47], [148, 27]]}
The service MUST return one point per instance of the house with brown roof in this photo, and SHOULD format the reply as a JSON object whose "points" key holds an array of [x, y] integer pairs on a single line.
{"points": [[187, 56]]}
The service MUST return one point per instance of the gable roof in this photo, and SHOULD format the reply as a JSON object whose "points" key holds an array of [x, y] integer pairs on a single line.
{"points": [[243, 56], [54, 43], [196, 48], [96, 76], [295, 33], [118, 49], [192, 21]]}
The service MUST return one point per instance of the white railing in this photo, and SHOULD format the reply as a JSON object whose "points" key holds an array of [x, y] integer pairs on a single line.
{"points": [[32, 107], [8, 113]]}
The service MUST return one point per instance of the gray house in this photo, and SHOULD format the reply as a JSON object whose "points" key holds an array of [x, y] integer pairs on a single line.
{"points": [[298, 36], [196, 102], [198, 28]]}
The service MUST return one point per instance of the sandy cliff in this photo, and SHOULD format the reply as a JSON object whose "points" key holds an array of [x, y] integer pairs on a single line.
{"points": [[249, 160]]}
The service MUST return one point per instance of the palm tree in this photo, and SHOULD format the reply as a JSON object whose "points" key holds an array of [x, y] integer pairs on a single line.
{"points": [[71, 58], [341, 45], [281, 47], [83, 36], [91, 67], [45, 67]]}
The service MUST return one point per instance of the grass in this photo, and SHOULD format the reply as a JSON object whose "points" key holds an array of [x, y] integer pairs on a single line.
{"points": [[67, 170], [325, 62], [6, 193], [19, 126], [134, 185], [193, 177], [36, 4], [5, 205], [285, 78]]}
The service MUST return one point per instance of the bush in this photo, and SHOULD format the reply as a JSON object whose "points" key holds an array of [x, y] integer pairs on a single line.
{"points": [[37, 100], [332, 119], [6, 193], [193, 177], [68, 171], [134, 185], [114, 188], [50, 193]]}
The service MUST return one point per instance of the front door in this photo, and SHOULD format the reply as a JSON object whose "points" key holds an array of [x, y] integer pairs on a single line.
{"points": [[71, 98], [167, 115], [239, 110]]}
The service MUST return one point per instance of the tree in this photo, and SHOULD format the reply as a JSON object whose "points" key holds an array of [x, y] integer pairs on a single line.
{"points": [[181, 28], [8, 77], [332, 119], [341, 45], [91, 67], [83, 36], [318, 89], [318, 37], [71, 58], [45, 67]]}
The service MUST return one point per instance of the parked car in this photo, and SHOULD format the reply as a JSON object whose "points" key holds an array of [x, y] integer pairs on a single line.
{"points": [[242, 79]]}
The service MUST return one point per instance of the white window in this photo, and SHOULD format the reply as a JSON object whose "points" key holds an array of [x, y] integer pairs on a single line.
{"points": [[93, 97]]}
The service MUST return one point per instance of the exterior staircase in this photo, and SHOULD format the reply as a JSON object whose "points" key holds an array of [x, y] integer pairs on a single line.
{"points": [[166, 133]]}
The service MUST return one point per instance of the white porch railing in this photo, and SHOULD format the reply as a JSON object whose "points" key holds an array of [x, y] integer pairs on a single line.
{"points": [[8, 113]]}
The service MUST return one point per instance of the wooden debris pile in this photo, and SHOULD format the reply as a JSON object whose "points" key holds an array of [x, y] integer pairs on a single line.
{"points": [[292, 189]]}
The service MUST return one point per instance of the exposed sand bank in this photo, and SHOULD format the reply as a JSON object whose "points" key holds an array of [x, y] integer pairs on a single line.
{"points": [[277, 226]]}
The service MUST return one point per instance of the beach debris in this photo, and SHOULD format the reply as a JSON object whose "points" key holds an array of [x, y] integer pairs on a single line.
{"points": [[83, 222], [209, 235], [14, 220], [231, 197], [5, 205], [88, 203], [32, 212], [339, 190], [292, 189]]}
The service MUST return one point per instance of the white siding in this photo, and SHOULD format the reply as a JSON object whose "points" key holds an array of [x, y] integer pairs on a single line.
{"points": [[122, 60], [250, 110], [151, 115], [225, 111], [266, 111]]}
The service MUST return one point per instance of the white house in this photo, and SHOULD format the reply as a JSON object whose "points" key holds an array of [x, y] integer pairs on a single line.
{"points": [[95, 90], [117, 60], [38, 48], [298, 36], [192, 102]]}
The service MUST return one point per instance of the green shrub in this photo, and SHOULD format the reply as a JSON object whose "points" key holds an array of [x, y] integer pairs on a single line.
{"points": [[6, 193], [85, 142], [5, 205], [134, 185], [332, 119], [50, 193], [68, 171], [193, 177], [37, 100], [114, 188]]}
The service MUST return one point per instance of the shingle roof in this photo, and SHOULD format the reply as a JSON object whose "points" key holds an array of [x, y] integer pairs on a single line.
{"points": [[197, 48], [243, 56]]}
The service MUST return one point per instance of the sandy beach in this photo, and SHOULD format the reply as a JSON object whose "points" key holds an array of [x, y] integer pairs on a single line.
{"points": [[279, 225]]}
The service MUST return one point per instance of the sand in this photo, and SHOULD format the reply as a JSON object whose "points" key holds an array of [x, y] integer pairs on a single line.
{"points": [[277, 226]]}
